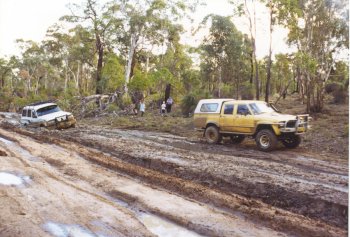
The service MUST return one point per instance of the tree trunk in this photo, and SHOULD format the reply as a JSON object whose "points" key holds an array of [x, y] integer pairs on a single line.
{"points": [[133, 42], [257, 81], [167, 92], [100, 48], [66, 78], [3, 80], [308, 94], [268, 76], [251, 67]]}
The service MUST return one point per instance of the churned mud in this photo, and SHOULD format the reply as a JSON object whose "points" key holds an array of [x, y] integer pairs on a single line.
{"points": [[109, 182]]}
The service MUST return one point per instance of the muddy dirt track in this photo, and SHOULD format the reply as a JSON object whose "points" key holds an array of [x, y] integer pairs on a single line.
{"points": [[95, 181]]}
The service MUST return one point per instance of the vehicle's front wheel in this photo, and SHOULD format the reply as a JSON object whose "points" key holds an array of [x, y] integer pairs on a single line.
{"points": [[212, 135], [236, 139], [266, 140], [292, 141]]}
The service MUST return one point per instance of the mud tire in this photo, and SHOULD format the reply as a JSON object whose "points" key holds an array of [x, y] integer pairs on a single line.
{"points": [[292, 141], [236, 139], [212, 135], [266, 140]]}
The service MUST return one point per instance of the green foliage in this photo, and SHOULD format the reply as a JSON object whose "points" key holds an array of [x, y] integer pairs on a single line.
{"points": [[140, 81], [227, 91], [112, 74], [225, 56], [160, 78], [281, 72], [247, 91], [306, 62], [189, 101], [21, 102], [188, 104], [126, 100], [63, 66], [112, 107]]}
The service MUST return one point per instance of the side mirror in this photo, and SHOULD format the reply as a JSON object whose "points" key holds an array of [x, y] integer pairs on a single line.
{"points": [[34, 114], [274, 107]]}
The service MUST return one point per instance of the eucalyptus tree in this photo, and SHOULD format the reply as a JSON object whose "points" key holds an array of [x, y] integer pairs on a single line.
{"points": [[5, 71], [71, 54], [247, 8], [223, 55], [319, 29], [101, 21], [272, 6], [33, 65], [149, 26], [283, 73], [177, 61]]}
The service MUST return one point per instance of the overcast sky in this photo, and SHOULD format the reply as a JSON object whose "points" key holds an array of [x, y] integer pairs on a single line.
{"points": [[29, 20]]}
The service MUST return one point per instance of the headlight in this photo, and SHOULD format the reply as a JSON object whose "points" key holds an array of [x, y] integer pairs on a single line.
{"points": [[281, 124]]}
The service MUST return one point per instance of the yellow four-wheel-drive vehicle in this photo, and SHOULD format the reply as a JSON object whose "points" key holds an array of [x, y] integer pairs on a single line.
{"points": [[240, 118]]}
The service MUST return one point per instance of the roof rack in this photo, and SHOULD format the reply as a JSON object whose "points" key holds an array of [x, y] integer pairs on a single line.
{"points": [[42, 102]]}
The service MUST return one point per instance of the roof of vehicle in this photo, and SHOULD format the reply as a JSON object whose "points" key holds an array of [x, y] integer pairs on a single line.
{"points": [[215, 100], [220, 102], [211, 101], [251, 101], [37, 106]]}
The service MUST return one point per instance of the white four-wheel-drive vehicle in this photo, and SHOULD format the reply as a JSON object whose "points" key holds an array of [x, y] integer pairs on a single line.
{"points": [[46, 114]]}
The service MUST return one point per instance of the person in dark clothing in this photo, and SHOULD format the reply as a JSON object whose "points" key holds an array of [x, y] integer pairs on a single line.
{"points": [[169, 103]]}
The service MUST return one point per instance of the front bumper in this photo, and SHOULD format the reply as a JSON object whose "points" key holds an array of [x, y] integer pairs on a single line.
{"points": [[300, 127], [66, 124], [62, 123]]}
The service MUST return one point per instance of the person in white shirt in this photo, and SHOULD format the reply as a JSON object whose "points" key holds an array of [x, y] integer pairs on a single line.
{"points": [[142, 107], [163, 107]]}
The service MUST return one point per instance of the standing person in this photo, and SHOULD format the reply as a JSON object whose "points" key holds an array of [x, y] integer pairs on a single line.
{"points": [[163, 107], [142, 107], [169, 103], [134, 109]]}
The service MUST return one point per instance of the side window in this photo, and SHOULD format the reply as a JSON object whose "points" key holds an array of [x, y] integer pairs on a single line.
{"points": [[34, 114], [228, 109], [24, 113], [209, 107], [29, 113], [243, 110]]}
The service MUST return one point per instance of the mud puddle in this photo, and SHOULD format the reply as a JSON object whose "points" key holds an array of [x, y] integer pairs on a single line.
{"points": [[14, 147], [163, 228], [73, 230], [318, 184], [305, 181], [155, 224], [11, 179]]}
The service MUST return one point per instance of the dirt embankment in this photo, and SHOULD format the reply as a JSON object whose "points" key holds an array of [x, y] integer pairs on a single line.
{"points": [[290, 192]]}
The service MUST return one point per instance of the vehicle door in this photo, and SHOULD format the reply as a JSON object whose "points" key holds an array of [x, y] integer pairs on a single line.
{"points": [[244, 120], [34, 118], [227, 117], [24, 117]]}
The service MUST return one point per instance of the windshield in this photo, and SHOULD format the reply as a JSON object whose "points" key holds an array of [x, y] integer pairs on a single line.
{"points": [[259, 108], [48, 110]]}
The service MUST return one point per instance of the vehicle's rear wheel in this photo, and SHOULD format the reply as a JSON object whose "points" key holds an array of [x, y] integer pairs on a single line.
{"points": [[292, 141], [212, 135], [237, 138], [266, 140]]}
